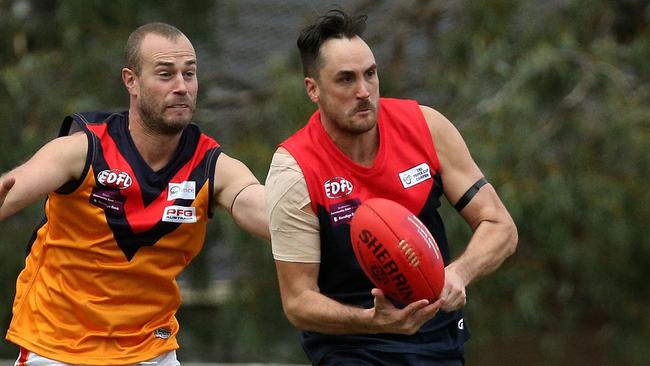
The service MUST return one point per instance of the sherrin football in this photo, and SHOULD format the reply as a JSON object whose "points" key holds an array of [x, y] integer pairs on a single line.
{"points": [[396, 251]]}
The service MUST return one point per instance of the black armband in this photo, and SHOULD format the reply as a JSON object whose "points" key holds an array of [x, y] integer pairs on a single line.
{"points": [[471, 192]]}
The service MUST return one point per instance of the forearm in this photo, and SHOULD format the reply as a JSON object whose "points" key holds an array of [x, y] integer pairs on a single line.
{"points": [[491, 243], [14, 197], [313, 311], [6, 183]]}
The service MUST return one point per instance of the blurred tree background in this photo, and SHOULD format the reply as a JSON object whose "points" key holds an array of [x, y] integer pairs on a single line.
{"points": [[552, 97]]}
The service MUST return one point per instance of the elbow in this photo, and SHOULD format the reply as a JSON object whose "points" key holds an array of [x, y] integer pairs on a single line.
{"points": [[512, 239], [4, 213], [291, 309], [293, 320]]}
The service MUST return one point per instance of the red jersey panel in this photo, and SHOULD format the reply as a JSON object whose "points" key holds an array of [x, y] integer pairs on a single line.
{"points": [[406, 170]]}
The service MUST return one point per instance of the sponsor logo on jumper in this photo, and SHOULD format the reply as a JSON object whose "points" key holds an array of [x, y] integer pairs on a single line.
{"points": [[109, 200], [162, 333], [342, 212], [183, 190], [114, 178], [415, 175], [180, 214], [338, 187], [385, 270], [461, 324]]}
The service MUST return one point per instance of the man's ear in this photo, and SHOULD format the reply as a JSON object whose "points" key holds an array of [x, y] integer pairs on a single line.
{"points": [[130, 81], [312, 89]]}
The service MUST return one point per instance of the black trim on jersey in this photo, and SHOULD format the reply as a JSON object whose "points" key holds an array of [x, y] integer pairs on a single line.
{"points": [[85, 118], [32, 240], [212, 157], [153, 182], [469, 194], [433, 221], [129, 241], [67, 128]]}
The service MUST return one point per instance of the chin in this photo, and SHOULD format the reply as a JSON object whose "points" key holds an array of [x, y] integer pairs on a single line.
{"points": [[181, 119], [364, 125], [360, 128], [173, 126]]}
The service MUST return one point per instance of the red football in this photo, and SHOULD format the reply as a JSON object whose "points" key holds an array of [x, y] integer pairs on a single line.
{"points": [[396, 251]]}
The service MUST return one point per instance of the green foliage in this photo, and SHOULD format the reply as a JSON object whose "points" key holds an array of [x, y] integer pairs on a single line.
{"points": [[556, 113], [553, 99]]}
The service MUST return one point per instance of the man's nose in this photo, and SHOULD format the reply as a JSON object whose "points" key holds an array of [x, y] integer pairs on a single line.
{"points": [[363, 91], [180, 85]]}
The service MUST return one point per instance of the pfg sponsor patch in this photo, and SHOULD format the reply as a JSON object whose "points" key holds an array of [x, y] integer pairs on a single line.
{"points": [[114, 178], [338, 187], [415, 175], [179, 214], [184, 190]]}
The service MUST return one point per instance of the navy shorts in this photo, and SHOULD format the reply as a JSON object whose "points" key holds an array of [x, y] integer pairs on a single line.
{"points": [[365, 357]]}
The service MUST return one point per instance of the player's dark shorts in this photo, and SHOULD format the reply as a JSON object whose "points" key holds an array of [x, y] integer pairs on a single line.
{"points": [[361, 357]]}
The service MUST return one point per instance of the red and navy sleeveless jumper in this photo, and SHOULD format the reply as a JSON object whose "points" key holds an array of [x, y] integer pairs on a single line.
{"points": [[406, 169]]}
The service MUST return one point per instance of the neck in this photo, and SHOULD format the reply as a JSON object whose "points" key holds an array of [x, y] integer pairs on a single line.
{"points": [[359, 147], [156, 149]]}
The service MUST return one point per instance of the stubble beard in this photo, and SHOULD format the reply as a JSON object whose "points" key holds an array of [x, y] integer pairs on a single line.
{"points": [[152, 115], [352, 127]]}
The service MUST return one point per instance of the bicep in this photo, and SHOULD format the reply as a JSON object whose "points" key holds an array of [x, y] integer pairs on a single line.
{"points": [[231, 177], [295, 237], [56, 163], [295, 234], [459, 172], [457, 168]]}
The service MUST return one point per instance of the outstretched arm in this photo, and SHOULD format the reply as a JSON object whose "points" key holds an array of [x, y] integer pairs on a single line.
{"points": [[56, 163], [238, 191], [494, 235]]}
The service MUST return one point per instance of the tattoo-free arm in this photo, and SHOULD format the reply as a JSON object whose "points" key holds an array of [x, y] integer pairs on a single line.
{"points": [[494, 235], [308, 309], [237, 190], [56, 163]]}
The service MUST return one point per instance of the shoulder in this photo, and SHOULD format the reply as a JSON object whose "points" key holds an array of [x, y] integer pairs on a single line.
{"points": [[285, 166], [285, 182], [66, 153], [443, 132], [284, 174], [74, 144], [436, 121]]}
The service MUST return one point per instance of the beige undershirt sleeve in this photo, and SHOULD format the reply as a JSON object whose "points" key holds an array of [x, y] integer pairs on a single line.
{"points": [[294, 228]]}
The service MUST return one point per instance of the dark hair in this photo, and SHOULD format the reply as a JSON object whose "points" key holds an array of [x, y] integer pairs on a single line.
{"points": [[132, 50], [334, 24]]}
